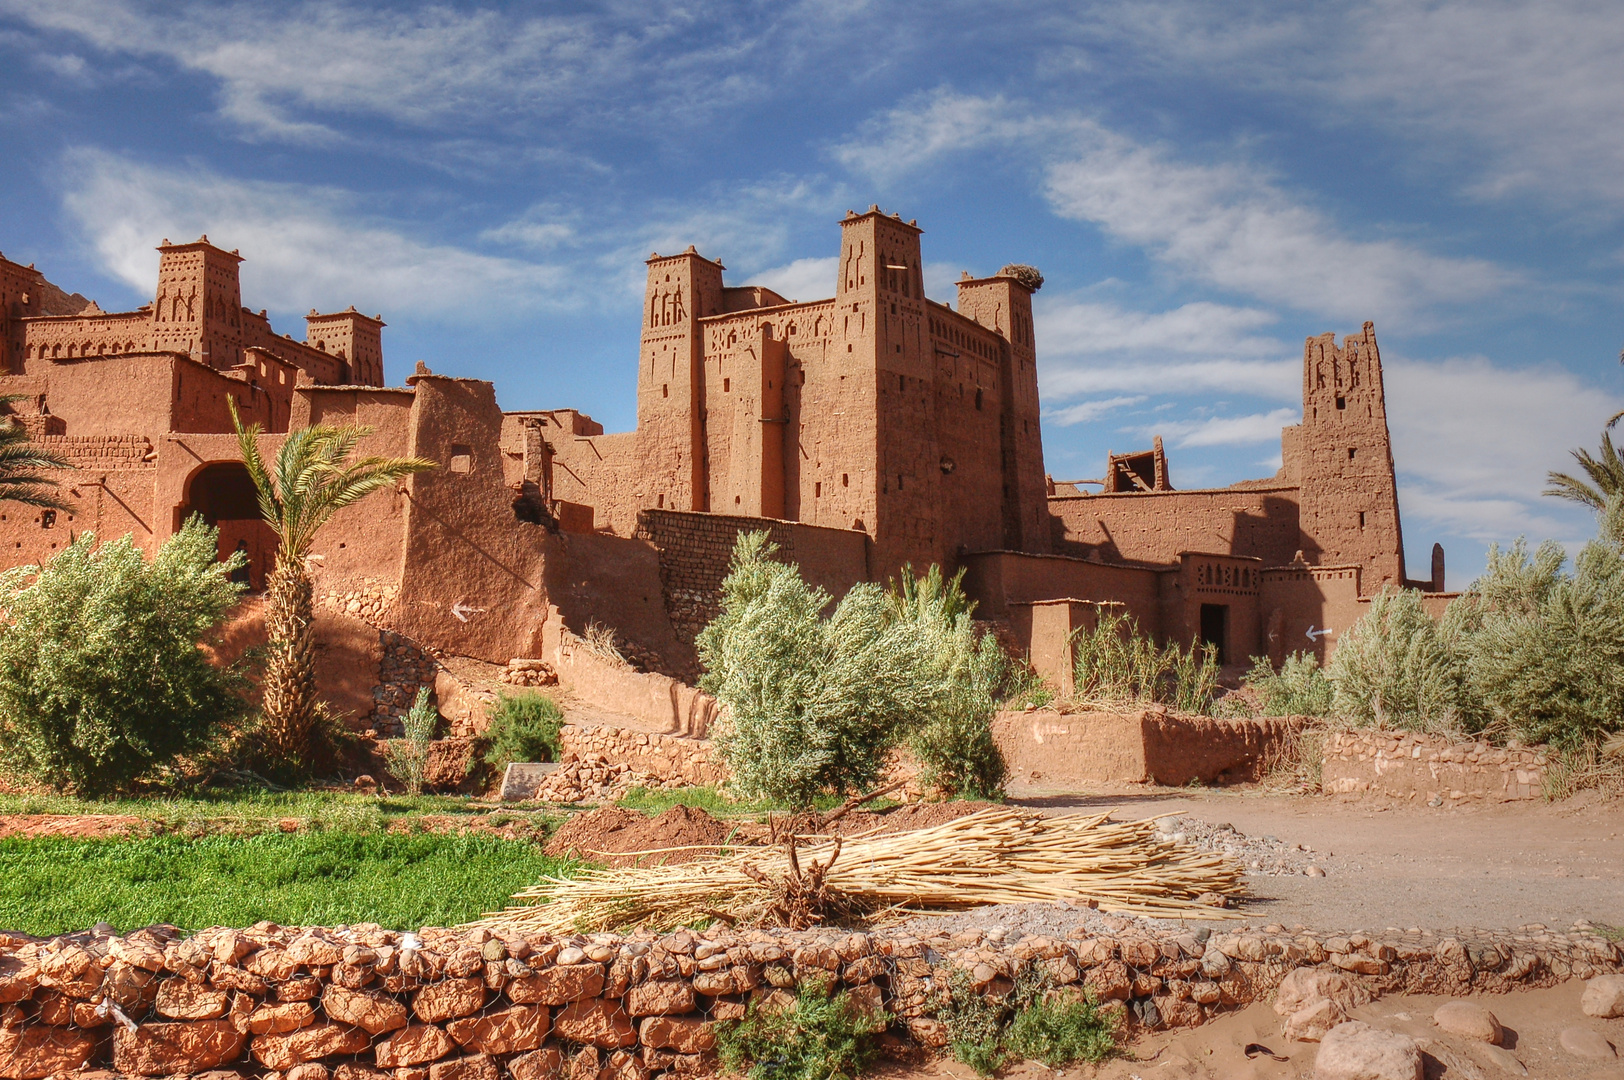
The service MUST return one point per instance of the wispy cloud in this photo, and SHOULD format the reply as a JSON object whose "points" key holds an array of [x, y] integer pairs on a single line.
{"points": [[1084, 411], [1230, 225], [1225, 223], [803, 279], [305, 246], [1526, 99], [1225, 430], [288, 72], [1091, 346], [1473, 441]]}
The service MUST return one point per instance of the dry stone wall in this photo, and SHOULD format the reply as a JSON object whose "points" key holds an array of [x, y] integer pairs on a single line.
{"points": [[666, 757], [363, 1003], [1430, 768], [694, 552]]}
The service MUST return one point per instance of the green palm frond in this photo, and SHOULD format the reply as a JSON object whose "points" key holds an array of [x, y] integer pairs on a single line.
{"points": [[1603, 474], [21, 460], [312, 477]]}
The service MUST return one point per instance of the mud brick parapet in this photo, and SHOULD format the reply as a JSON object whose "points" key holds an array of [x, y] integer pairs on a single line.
{"points": [[1429, 767], [695, 550], [367, 1003], [665, 756]]}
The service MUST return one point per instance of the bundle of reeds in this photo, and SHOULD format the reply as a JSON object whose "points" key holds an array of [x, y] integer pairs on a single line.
{"points": [[995, 856]]}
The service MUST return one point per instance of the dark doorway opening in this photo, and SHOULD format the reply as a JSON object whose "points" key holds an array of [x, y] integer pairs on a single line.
{"points": [[1215, 628], [224, 494]]}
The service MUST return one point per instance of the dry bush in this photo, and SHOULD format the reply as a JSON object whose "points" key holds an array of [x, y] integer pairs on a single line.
{"points": [[1115, 664]]}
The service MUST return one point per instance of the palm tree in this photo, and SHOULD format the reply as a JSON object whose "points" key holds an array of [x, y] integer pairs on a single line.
{"points": [[311, 479], [21, 460], [1604, 470]]}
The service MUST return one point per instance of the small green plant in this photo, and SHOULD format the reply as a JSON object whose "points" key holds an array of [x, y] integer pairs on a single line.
{"points": [[1032, 1021], [824, 1037], [1059, 1030], [524, 727], [407, 757], [1114, 664], [975, 1025], [1300, 688], [102, 683]]}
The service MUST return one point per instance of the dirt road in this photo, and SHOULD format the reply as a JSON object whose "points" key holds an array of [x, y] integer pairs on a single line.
{"points": [[1503, 865]]}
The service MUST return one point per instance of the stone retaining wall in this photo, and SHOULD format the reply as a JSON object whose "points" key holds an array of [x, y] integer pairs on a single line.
{"points": [[362, 1003], [1429, 768], [665, 756]]}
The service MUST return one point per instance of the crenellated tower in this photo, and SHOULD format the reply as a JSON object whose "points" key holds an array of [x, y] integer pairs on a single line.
{"points": [[198, 306], [681, 290], [1003, 304], [352, 337]]}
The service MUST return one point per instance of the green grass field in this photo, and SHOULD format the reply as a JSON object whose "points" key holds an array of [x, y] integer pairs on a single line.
{"points": [[249, 811], [52, 885]]}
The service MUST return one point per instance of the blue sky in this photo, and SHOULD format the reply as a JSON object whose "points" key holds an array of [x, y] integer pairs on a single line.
{"points": [[1202, 186]]}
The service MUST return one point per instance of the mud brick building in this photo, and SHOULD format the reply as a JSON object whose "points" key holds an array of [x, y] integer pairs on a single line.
{"points": [[868, 431]]}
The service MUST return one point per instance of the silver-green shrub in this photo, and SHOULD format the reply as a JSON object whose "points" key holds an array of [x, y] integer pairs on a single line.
{"points": [[1399, 667], [407, 758], [1544, 647], [1299, 688], [102, 683], [816, 705], [969, 672]]}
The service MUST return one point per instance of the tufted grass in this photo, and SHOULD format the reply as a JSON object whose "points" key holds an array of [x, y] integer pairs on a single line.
{"points": [[52, 885]]}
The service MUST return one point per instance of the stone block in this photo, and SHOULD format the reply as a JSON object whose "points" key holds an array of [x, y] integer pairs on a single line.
{"points": [[597, 1023], [184, 1047], [449, 999], [519, 1027], [415, 1044]]}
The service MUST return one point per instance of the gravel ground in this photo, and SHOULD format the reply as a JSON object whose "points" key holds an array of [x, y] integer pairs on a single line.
{"points": [[1011, 922], [1266, 855]]}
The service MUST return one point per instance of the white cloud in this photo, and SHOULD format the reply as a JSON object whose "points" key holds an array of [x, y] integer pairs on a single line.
{"points": [[937, 124], [1085, 411], [285, 71], [1473, 441], [304, 247], [803, 279], [1227, 224], [1231, 226], [1226, 430], [1091, 347]]}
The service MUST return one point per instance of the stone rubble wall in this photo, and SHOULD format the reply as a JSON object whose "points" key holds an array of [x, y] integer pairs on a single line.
{"points": [[405, 668], [362, 1003], [1429, 768], [667, 757]]}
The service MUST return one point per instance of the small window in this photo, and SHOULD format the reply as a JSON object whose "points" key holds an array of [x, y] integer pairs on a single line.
{"points": [[899, 481], [659, 501], [665, 390], [727, 386], [899, 348], [817, 490], [978, 401], [902, 382], [462, 459], [843, 481], [1352, 451], [47, 519], [1361, 519], [735, 500], [1341, 402]]}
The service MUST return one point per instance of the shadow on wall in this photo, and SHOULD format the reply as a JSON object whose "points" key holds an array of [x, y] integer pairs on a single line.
{"points": [[348, 657]]}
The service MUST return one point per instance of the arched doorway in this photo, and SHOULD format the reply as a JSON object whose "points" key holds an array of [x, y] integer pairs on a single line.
{"points": [[225, 495]]}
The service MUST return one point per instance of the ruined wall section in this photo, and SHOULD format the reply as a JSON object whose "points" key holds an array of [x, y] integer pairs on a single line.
{"points": [[694, 551], [460, 515], [1156, 527], [1344, 461]]}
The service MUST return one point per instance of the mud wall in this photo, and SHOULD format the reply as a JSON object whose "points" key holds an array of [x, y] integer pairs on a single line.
{"points": [[1050, 749], [478, 1003], [1401, 765]]}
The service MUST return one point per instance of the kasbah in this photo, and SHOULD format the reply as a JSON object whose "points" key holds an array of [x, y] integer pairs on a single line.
{"points": [[867, 432]]}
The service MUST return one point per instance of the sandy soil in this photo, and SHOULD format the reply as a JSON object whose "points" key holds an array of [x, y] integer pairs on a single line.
{"points": [[91, 826], [1501, 865], [1533, 1020]]}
